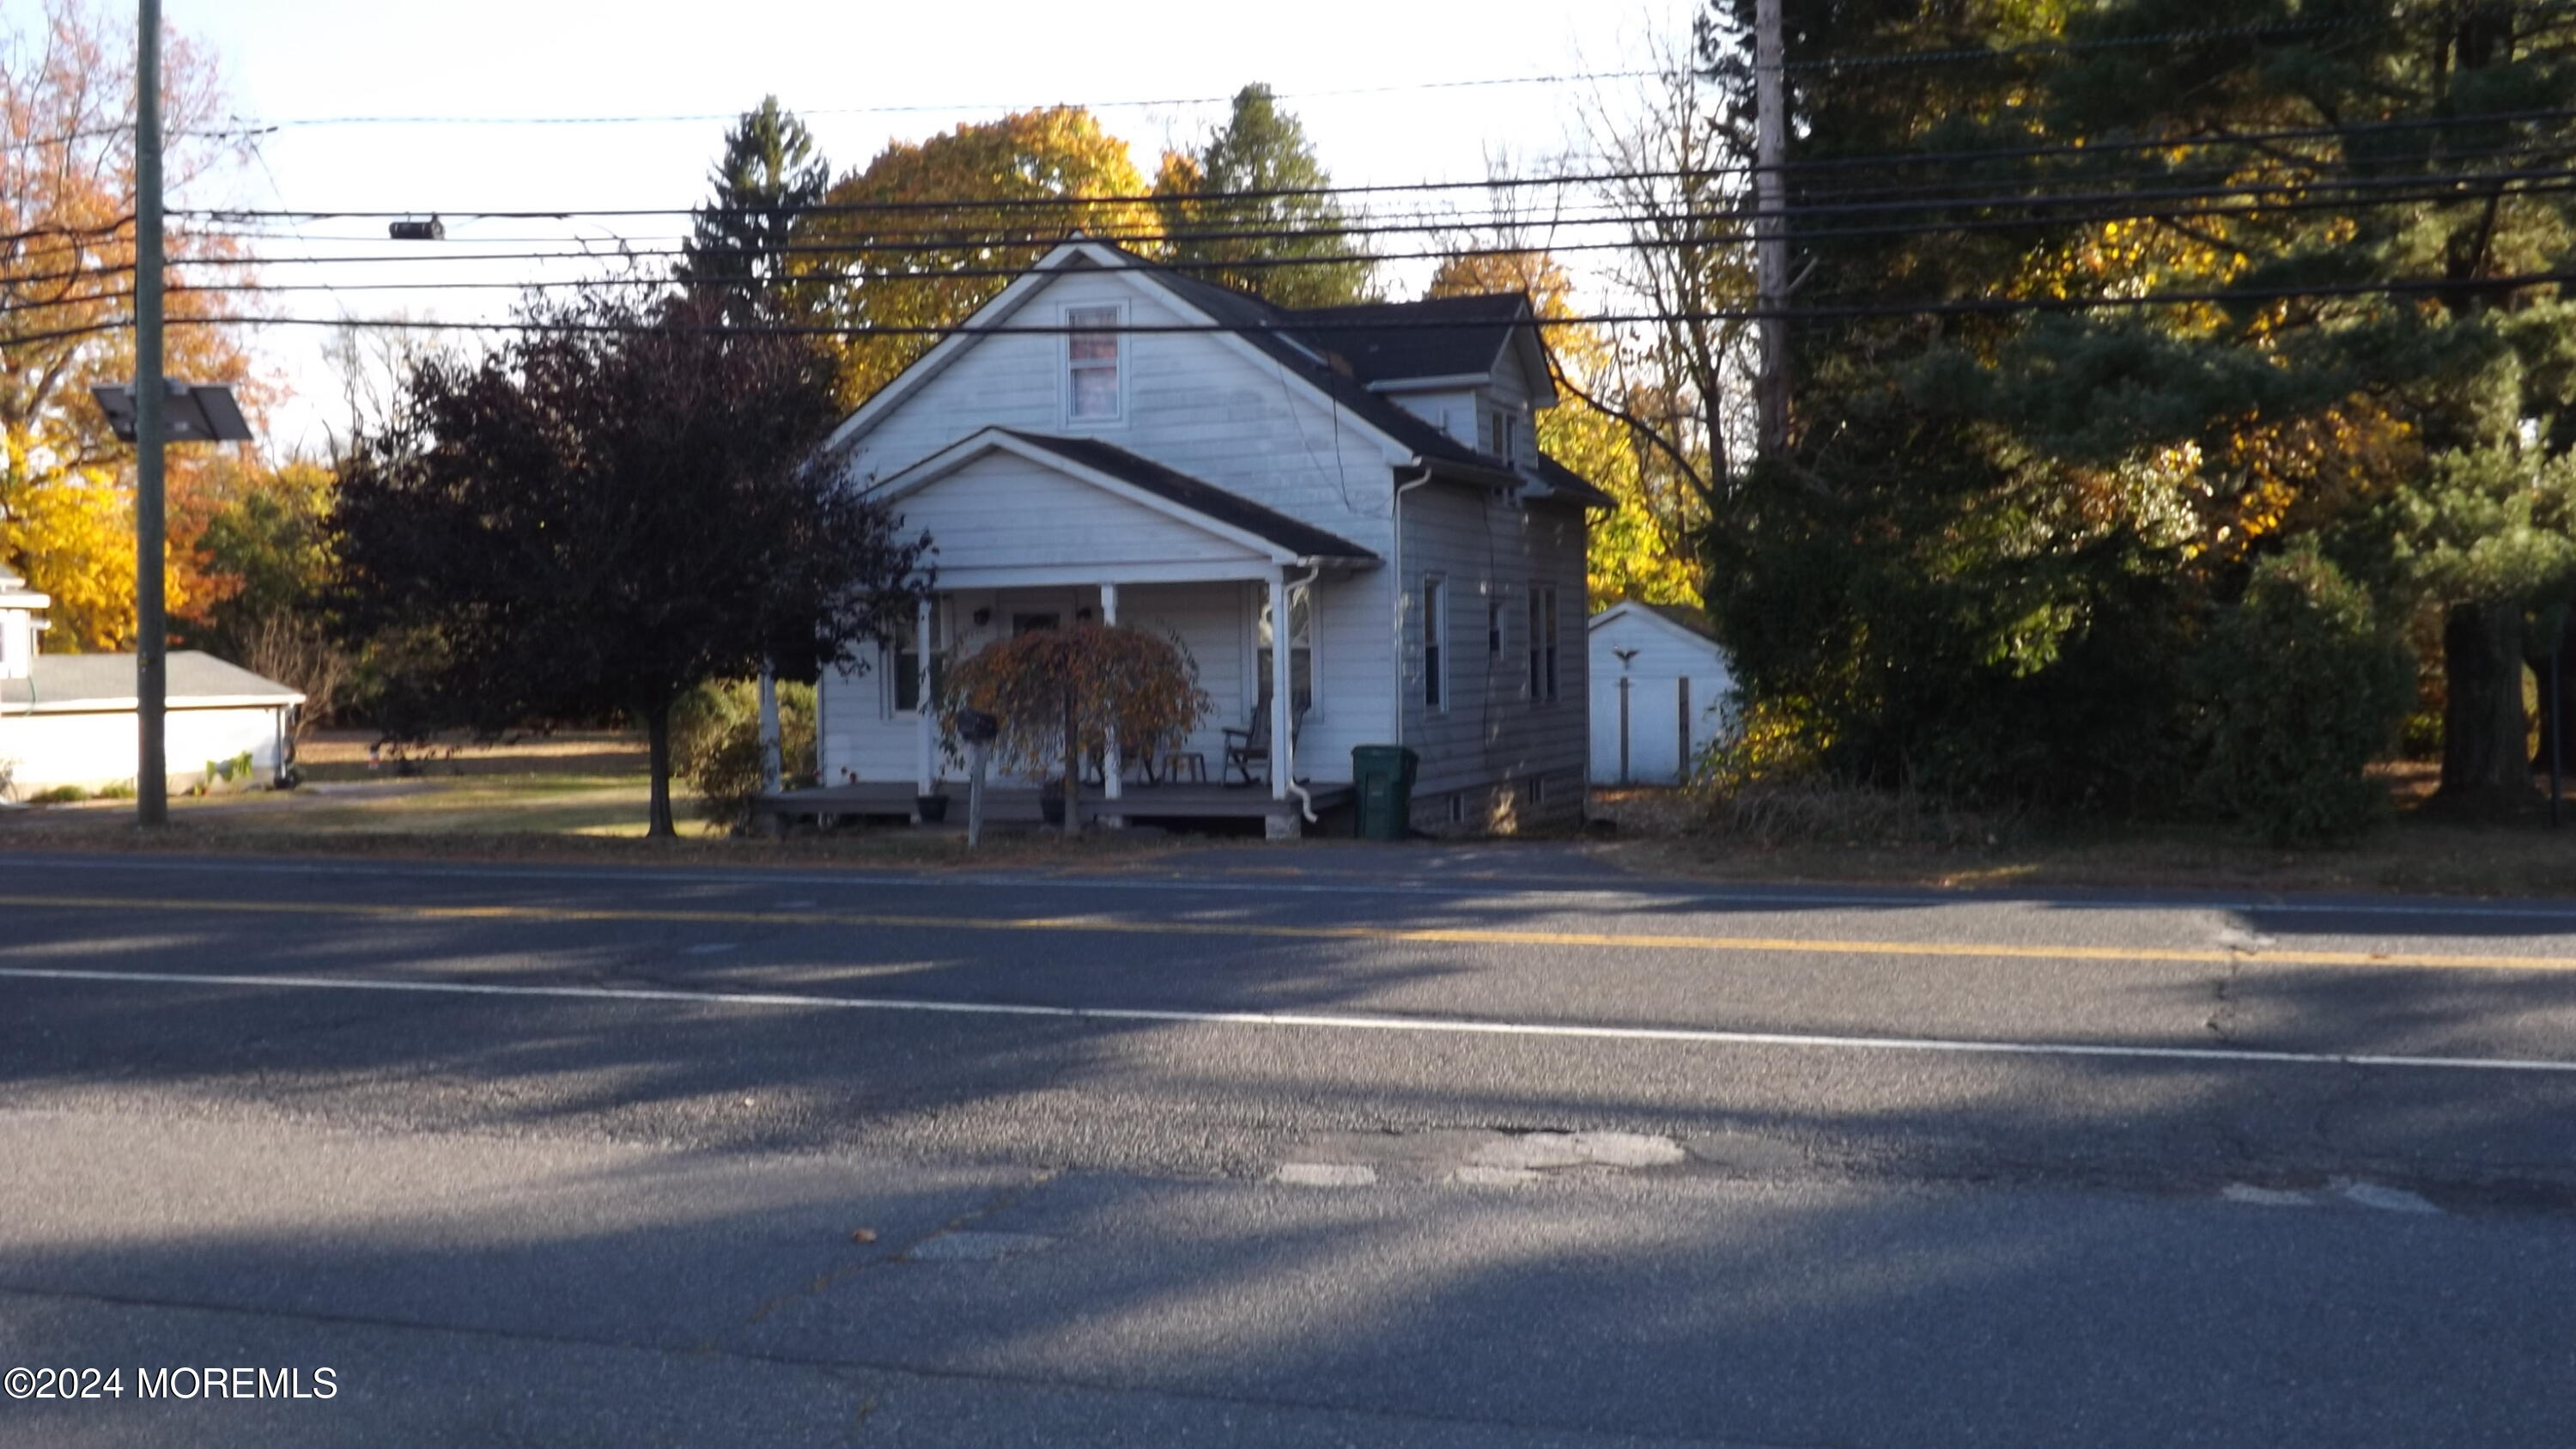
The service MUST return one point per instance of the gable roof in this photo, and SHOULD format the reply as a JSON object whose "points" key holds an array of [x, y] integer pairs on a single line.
{"points": [[1296, 343], [1276, 333], [88, 683], [1198, 496], [1680, 618]]}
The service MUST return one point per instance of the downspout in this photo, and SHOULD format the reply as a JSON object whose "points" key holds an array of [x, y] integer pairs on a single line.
{"points": [[1281, 638], [1395, 610]]}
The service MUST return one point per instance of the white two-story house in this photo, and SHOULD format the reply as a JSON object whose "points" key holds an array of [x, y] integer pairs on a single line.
{"points": [[1115, 440]]}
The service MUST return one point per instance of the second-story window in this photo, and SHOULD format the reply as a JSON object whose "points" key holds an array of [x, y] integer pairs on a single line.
{"points": [[1092, 391], [1499, 434]]}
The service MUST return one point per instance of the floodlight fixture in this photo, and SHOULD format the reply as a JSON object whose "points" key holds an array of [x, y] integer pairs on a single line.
{"points": [[202, 412]]}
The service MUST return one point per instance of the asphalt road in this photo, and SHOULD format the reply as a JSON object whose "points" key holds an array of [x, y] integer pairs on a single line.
{"points": [[1339, 1146]]}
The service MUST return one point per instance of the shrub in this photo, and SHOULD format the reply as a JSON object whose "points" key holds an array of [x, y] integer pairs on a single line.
{"points": [[60, 795], [2299, 687], [1058, 693], [715, 744]]}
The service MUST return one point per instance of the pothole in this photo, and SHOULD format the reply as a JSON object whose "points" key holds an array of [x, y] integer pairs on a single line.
{"points": [[1544, 1151]]}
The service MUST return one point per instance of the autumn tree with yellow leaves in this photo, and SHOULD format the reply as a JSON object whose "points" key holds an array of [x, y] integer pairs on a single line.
{"points": [[931, 230], [66, 279]]}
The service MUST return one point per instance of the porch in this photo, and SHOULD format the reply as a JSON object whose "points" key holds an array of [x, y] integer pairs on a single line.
{"points": [[1043, 532], [1015, 803]]}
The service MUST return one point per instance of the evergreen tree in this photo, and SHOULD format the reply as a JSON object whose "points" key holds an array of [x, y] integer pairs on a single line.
{"points": [[1216, 230], [737, 247], [1991, 523]]}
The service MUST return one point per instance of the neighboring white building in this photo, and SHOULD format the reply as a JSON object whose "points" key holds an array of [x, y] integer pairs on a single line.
{"points": [[1676, 687], [19, 607], [1112, 439], [68, 719]]}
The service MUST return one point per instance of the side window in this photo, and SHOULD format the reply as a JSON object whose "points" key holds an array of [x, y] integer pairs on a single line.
{"points": [[1435, 642], [1093, 388], [1542, 644]]}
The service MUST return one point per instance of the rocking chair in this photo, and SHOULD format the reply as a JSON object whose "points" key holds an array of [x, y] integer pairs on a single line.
{"points": [[1246, 747]]}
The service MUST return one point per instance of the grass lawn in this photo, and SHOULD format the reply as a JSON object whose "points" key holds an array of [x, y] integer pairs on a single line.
{"points": [[566, 796], [583, 797]]}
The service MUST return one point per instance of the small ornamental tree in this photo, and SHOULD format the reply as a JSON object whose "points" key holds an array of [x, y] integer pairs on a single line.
{"points": [[1059, 693]]}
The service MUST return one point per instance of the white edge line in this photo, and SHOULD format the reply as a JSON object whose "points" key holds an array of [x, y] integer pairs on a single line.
{"points": [[1453, 1026], [1638, 892]]}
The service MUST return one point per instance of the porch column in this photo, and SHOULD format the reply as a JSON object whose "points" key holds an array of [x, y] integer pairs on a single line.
{"points": [[1109, 766], [922, 711], [1281, 646]]}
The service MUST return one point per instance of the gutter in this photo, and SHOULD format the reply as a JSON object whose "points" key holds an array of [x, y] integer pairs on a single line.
{"points": [[1396, 609]]}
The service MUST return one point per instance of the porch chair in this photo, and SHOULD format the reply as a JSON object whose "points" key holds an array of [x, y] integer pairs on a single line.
{"points": [[1246, 747]]}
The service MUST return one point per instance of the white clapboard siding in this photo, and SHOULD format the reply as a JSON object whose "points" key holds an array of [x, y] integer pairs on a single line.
{"points": [[1003, 510], [1193, 403]]}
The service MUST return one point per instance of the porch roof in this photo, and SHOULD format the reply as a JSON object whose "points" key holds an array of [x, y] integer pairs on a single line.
{"points": [[1010, 509], [1205, 499]]}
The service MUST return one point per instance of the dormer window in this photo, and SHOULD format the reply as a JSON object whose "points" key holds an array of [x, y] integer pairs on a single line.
{"points": [[1092, 386], [1500, 434]]}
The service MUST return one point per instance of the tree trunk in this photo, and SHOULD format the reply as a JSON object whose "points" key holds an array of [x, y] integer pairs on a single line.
{"points": [[1072, 771], [657, 729], [2562, 709], [2486, 756]]}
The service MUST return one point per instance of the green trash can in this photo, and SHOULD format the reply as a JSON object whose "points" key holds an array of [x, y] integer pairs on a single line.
{"points": [[1382, 776]]}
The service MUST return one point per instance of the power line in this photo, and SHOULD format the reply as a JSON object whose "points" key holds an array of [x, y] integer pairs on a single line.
{"points": [[2435, 190], [1294, 329], [2084, 149], [933, 108]]}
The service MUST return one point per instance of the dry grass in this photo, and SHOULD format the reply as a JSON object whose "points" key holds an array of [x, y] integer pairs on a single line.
{"points": [[1825, 837]]}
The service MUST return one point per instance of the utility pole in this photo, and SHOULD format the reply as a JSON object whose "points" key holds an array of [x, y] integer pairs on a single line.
{"points": [[152, 626], [1770, 234]]}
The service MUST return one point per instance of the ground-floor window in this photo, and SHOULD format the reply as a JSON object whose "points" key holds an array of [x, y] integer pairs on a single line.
{"points": [[1542, 644], [1301, 647], [907, 661]]}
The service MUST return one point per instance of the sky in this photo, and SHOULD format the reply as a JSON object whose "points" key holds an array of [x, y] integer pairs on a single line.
{"points": [[1377, 84]]}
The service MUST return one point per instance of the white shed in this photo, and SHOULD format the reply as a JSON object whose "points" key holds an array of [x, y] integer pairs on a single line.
{"points": [[1659, 686], [69, 720]]}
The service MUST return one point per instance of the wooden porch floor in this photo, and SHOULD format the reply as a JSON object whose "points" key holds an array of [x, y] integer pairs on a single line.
{"points": [[1017, 804]]}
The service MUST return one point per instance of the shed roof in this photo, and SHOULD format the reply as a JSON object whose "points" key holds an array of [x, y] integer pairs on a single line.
{"points": [[104, 682], [1692, 621]]}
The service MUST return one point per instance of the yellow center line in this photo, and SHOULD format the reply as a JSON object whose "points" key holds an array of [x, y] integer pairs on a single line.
{"points": [[1409, 935]]}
